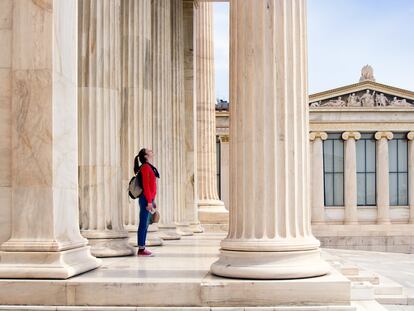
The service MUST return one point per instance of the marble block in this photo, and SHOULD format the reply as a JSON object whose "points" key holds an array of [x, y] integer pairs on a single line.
{"points": [[48, 265], [332, 288]]}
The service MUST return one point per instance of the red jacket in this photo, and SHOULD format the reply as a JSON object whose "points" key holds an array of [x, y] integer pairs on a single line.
{"points": [[148, 182]]}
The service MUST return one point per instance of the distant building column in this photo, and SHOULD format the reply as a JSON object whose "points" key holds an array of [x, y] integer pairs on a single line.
{"points": [[410, 138], [317, 189], [211, 209], [383, 190], [351, 213], [224, 169]]}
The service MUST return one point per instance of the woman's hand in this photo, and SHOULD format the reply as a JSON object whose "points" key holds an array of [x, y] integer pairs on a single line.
{"points": [[150, 208]]}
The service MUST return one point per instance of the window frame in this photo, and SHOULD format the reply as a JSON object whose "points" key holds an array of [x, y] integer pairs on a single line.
{"points": [[366, 137], [333, 137], [399, 136]]}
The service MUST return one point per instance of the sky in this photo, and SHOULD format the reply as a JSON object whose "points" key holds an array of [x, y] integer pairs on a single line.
{"points": [[343, 36]]}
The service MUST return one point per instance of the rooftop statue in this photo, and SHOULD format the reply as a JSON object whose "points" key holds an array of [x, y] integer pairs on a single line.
{"points": [[367, 74]]}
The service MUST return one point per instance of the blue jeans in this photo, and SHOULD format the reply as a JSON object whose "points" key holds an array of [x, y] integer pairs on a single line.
{"points": [[144, 219]]}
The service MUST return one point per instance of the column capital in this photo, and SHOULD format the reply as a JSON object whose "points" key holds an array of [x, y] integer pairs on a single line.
{"points": [[224, 138], [387, 135], [351, 135], [410, 136], [315, 135]]}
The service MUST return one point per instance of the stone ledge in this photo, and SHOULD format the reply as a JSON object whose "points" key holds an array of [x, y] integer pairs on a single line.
{"points": [[210, 291]]}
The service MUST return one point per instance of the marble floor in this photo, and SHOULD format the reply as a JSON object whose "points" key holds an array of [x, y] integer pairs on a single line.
{"points": [[172, 274]]}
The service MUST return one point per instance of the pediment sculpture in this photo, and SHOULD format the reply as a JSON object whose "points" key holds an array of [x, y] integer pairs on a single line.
{"points": [[366, 98]]}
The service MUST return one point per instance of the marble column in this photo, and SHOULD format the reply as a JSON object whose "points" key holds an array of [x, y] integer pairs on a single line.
{"points": [[190, 135], [350, 177], [211, 208], [6, 32], [136, 121], [410, 137], [162, 113], [383, 184], [317, 193], [100, 186], [178, 118], [224, 169], [45, 239], [269, 231]]}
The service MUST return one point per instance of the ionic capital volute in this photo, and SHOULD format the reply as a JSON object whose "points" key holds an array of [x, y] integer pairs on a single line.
{"points": [[410, 136], [320, 135], [351, 135], [386, 135], [224, 138]]}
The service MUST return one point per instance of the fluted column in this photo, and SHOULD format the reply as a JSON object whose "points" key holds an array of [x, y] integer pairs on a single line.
{"points": [[350, 177], [410, 137], [211, 208], [162, 112], [136, 115], [190, 135], [317, 193], [178, 118], [383, 183], [45, 241], [100, 187], [269, 231]]}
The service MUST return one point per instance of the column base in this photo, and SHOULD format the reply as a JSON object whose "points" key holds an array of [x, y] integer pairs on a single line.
{"points": [[183, 229], [168, 231], [47, 265], [196, 227], [110, 247], [212, 212], [270, 265]]}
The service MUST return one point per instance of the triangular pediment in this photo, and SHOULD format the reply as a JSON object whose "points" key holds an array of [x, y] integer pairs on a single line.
{"points": [[366, 94]]}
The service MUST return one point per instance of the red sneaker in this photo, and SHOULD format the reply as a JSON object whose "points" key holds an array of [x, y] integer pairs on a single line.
{"points": [[144, 253]]}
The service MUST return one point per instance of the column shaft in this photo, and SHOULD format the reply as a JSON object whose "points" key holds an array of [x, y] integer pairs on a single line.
{"points": [[211, 209], [351, 212], [383, 192], [269, 231], [190, 178], [317, 193], [45, 239], [410, 137], [136, 93], [101, 219], [163, 111], [178, 118]]}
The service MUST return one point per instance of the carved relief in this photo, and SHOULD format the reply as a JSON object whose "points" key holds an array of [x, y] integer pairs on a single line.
{"points": [[365, 98]]}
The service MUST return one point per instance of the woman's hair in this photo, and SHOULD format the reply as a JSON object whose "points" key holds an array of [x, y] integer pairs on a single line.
{"points": [[141, 157]]}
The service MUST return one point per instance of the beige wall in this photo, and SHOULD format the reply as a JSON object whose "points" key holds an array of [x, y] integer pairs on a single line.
{"points": [[6, 13]]}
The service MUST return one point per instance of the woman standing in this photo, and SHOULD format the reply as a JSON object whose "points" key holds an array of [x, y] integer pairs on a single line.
{"points": [[146, 200]]}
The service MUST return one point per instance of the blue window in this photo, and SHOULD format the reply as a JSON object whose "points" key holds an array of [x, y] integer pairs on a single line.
{"points": [[398, 167], [333, 169], [366, 172]]}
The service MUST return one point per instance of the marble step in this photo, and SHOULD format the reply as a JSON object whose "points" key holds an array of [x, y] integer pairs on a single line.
{"points": [[370, 305], [371, 277], [92, 308], [392, 299], [388, 289], [361, 291], [349, 270]]}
